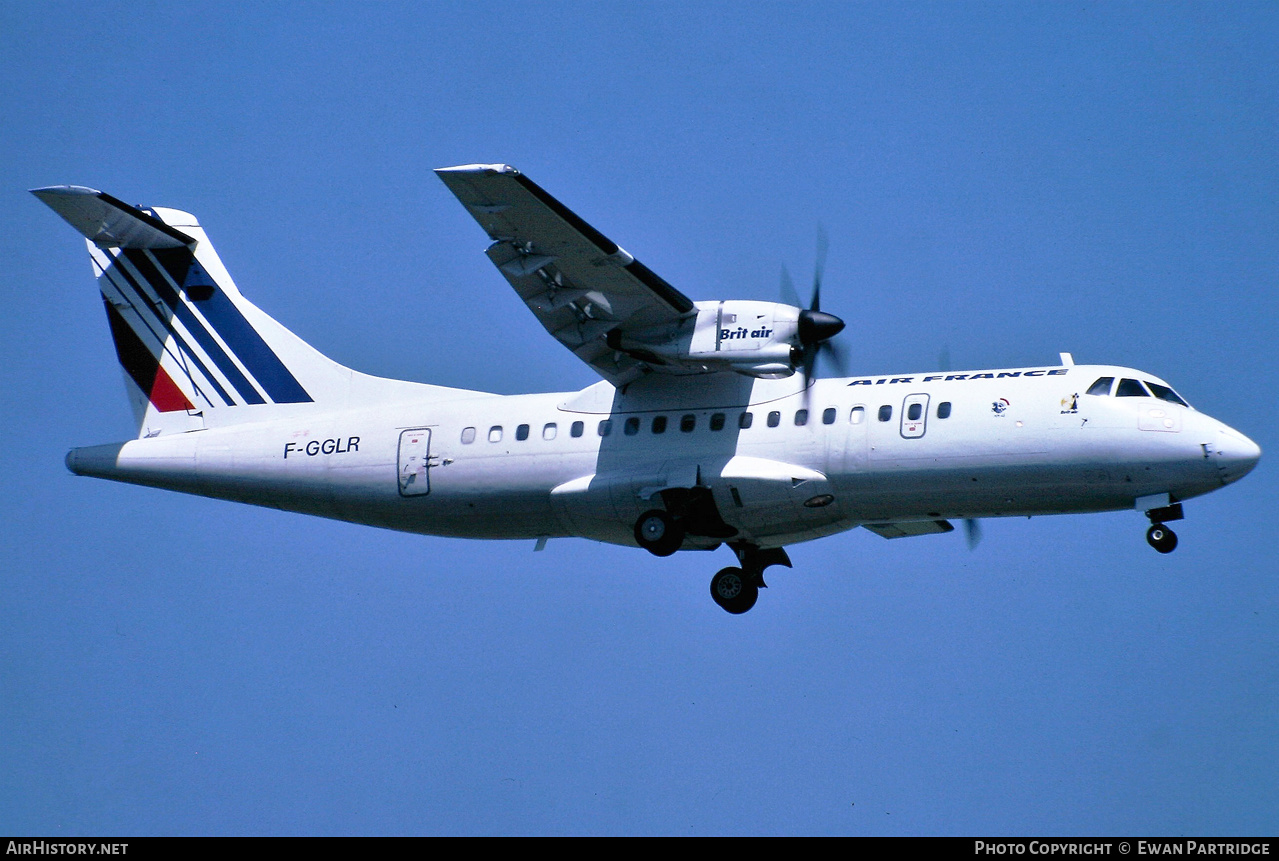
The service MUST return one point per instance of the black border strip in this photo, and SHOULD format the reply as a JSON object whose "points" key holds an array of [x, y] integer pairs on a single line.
{"points": [[148, 220]]}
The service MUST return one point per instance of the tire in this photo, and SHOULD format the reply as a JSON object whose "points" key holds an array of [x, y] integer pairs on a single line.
{"points": [[731, 590], [1162, 538], [658, 533]]}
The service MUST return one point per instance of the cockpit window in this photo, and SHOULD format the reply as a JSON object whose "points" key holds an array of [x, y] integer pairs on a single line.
{"points": [[1101, 387], [1131, 389], [1166, 394]]}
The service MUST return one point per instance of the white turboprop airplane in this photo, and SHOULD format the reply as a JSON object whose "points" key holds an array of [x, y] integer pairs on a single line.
{"points": [[709, 426]]}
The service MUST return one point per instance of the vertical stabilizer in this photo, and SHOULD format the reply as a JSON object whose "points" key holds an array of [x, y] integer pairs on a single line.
{"points": [[194, 351]]}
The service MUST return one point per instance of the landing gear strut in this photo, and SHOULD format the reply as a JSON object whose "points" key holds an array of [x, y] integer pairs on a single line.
{"points": [[1159, 536]]}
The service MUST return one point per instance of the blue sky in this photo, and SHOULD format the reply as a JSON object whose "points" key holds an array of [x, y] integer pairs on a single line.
{"points": [[1004, 181]]}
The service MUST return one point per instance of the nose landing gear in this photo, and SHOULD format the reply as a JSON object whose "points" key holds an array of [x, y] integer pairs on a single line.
{"points": [[1161, 538], [1158, 535]]}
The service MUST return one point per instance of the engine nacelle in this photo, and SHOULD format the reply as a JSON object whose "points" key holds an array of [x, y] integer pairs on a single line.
{"points": [[758, 339]]}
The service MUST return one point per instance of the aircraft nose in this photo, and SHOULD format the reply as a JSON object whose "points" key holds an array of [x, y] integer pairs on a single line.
{"points": [[1236, 455]]}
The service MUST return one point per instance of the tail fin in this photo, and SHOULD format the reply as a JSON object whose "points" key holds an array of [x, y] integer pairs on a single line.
{"points": [[195, 352]]}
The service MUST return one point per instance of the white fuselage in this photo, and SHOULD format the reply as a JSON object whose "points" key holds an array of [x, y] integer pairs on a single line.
{"points": [[1014, 442]]}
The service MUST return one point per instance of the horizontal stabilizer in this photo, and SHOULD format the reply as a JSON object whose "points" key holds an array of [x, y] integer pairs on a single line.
{"points": [[109, 222], [914, 527]]}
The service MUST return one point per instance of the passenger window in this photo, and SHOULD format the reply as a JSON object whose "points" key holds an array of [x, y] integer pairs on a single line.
{"points": [[521, 433], [801, 418], [886, 413], [576, 430], [943, 410], [745, 420], [605, 428], [857, 416], [1101, 387], [548, 432], [914, 411], [495, 433], [659, 424], [774, 419], [632, 426], [1131, 389], [468, 436], [828, 416], [717, 422], [687, 423], [1166, 394]]}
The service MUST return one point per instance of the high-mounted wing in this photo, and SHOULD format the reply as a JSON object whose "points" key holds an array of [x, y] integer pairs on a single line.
{"points": [[586, 290]]}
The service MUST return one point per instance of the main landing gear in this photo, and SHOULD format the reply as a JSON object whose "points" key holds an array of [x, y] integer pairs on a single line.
{"points": [[692, 512], [1159, 536]]}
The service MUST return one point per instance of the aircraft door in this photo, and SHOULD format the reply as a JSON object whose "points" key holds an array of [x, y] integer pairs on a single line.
{"points": [[415, 462], [854, 420], [914, 416]]}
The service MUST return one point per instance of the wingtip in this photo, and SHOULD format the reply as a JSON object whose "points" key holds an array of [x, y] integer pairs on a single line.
{"points": [[64, 191], [479, 168]]}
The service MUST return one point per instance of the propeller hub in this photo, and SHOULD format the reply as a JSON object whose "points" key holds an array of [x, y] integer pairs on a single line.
{"points": [[818, 326]]}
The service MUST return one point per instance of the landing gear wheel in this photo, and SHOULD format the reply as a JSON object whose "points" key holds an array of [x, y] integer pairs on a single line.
{"points": [[1162, 538], [658, 533], [733, 591]]}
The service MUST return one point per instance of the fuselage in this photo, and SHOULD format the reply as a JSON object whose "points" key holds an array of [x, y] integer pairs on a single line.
{"points": [[782, 464]]}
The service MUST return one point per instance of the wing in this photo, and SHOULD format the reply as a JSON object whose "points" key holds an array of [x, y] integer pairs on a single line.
{"points": [[585, 290]]}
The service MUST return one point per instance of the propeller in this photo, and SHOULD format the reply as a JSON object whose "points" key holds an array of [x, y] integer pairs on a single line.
{"points": [[816, 327], [972, 529]]}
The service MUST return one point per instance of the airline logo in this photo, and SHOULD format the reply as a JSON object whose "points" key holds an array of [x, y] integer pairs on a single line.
{"points": [[181, 338]]}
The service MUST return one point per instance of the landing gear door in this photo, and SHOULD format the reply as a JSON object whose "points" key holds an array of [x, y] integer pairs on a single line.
{"points": [[415, 465], [914, 416]]}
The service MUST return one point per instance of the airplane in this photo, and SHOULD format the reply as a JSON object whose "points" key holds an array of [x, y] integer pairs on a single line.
{"points": [[709, 425]]}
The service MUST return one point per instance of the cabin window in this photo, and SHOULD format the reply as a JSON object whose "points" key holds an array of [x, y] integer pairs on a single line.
{"points": [[774, 419], [468, 436], [801, 418], [828, 416], [1131, 389], [717, 421], [914, 411], [1166, 394], [605, 428], [521, 433], [687, 423], [1101, 387], [745, 420], [632, 426], [548, 431], [495, 433], [659, 424], [857, 416], [886, 413], [943, 410], [577, 429]]}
